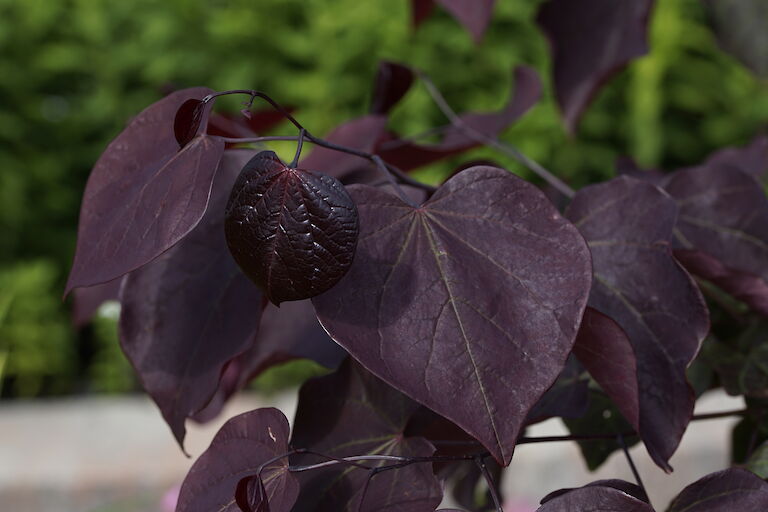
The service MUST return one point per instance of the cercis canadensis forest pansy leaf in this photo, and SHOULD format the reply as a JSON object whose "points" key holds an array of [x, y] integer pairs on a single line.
{"points": [[603, 496], [590, 41], [86, 301], [633, 490], [351, 412], [628, 225], [240, 448], [474, 16], [751, 158], [187, 121], [361, 134], [723, 229], [604, 349], [408, 155], [143, 195], [724, 491], [478, 293], [292, 231], [392, 82], [285, 333], [188, 313]]}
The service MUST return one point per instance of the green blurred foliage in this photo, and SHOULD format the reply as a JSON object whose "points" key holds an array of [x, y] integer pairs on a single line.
{"points": [[73, 71]]}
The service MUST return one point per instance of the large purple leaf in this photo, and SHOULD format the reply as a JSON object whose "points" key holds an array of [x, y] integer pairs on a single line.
{"points": [[361, 134], [292, 231], [349, 413], [740, 29], [724, 215], [628, 225], [393, 80], [186, 314], [603, 498], [285, 333], [143, 195], [606, 352], [240, 448], [408, 155], [725, 491], [478, 294], [591, 40]]}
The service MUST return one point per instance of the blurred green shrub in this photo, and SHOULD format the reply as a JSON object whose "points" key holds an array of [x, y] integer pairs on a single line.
{"points": [[73, 71]]}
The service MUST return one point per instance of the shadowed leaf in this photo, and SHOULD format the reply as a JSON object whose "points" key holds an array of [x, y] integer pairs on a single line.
{"points": [[408, 155], [478, 293], [724, 216], [361, 134], [240, 448], [568, 397], [237, 125], [188, 313], [740, 29], [628, 225], [349, 413], [606, 352], [591, 40], [758, 462], [285, 333], [742, 364], [143, 195], [420, 10], [292, 231], [725, 491], [393, 80], [187, 121]]}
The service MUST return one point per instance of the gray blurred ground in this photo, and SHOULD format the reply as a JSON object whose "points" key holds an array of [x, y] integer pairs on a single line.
{"points": [[117, 455]]}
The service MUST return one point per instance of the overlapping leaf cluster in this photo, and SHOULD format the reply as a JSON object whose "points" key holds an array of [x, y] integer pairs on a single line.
{"points": [[469, 311]]}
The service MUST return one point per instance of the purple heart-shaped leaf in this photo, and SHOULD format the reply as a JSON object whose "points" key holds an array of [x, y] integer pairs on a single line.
{"points": [[725, 491], [478, 293], [292, 231], [143, 195], [189, 312], [628, 225], [247, 443]]}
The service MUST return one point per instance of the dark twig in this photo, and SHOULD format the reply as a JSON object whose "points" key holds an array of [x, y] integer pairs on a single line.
{"points": [[716, 415], [631, 462], [390, 169], [482, 138], [480, 461], [299, 145]]}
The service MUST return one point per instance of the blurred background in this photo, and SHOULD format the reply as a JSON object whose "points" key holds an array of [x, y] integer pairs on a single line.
{"points": [[72, 72]]}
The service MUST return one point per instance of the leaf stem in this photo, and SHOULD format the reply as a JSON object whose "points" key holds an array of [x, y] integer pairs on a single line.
{"points": [[495, 143], [375, 159], [722, 414], [630, 461], [480, 461], [299, 145]]}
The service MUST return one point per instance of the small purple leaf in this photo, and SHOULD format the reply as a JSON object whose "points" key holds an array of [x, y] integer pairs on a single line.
{"points": [[292, 231], [361, 134], [351, 412], [408, 155], [474, 15], [238, 450], [621, 485], [628, 225], [604, 349], [393, 80], [187, 121], [725, 491], [478, 293], [143, 195], [740, 29], [189, 312], [724, 216], [591, 40], [241, 126], [605, 498]]}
